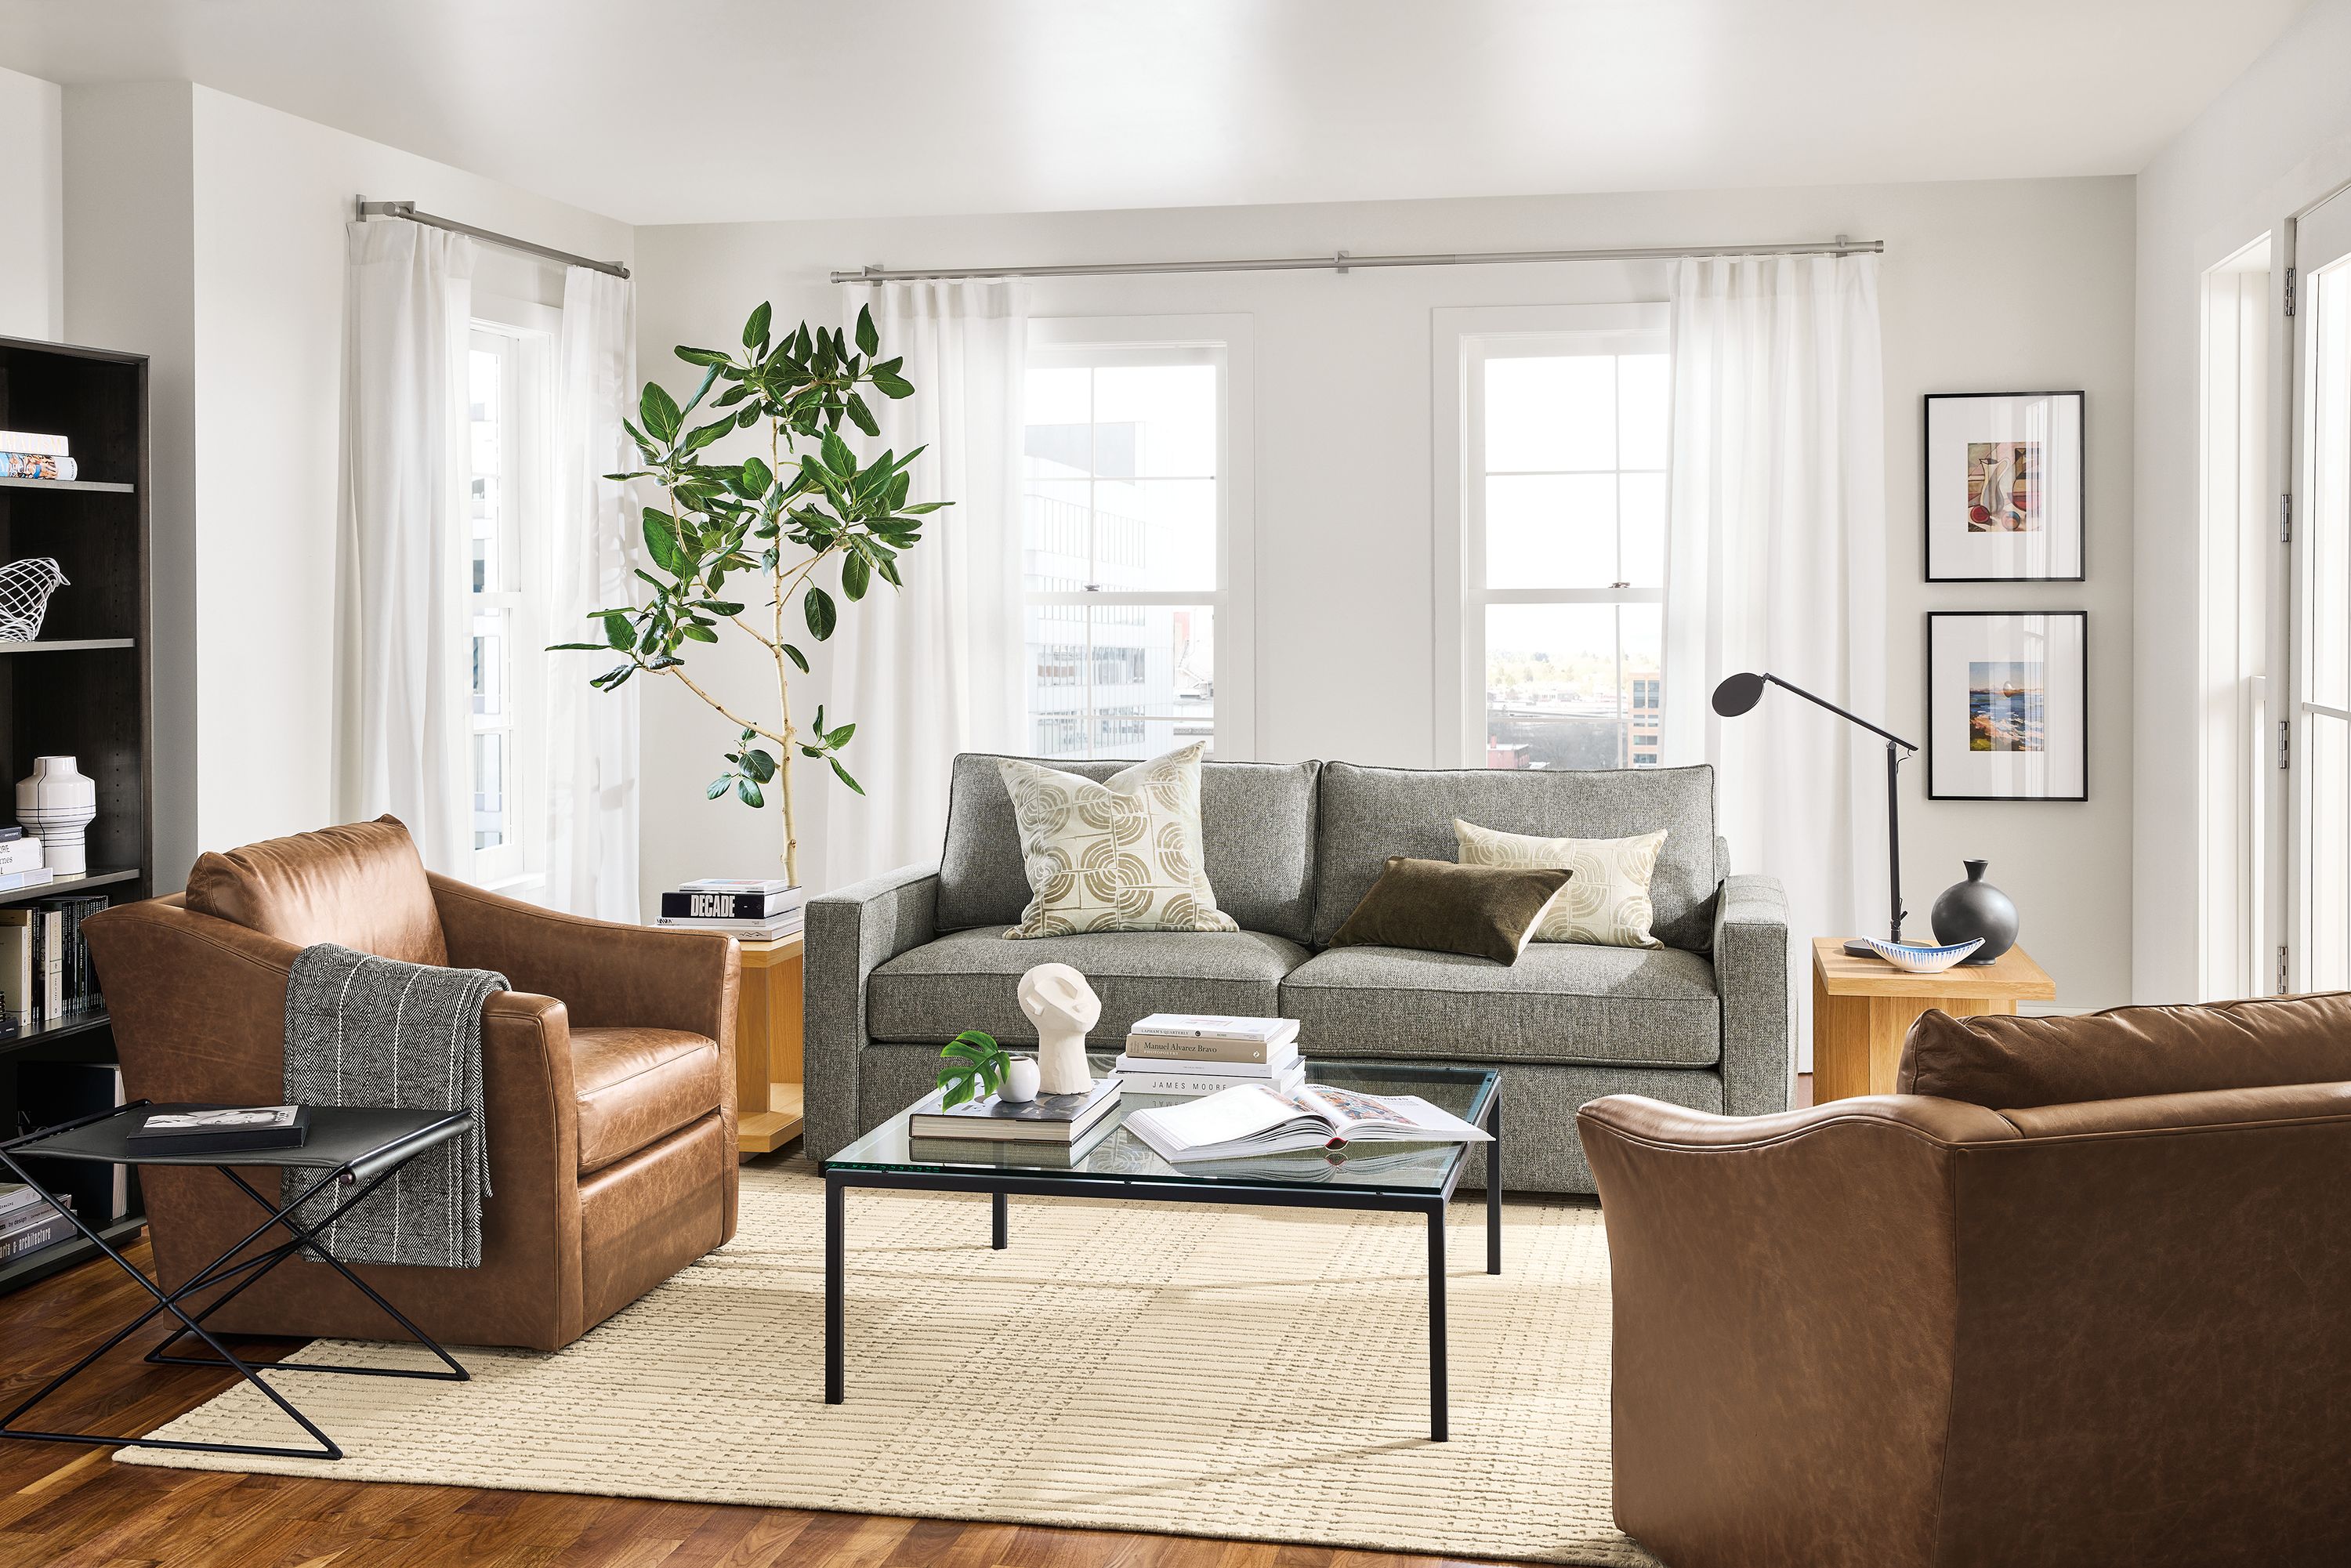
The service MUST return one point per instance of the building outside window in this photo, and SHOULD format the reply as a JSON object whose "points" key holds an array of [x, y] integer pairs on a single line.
{"points": [[1136, 595], [1564, 531]]}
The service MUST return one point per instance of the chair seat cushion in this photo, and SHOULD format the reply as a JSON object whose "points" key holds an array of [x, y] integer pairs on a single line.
{"points": [[1562, 1001], [966, 980], [636, 1086]]}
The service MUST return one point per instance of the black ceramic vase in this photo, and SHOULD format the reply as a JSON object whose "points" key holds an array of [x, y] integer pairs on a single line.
{"points": [[1976, 908]]}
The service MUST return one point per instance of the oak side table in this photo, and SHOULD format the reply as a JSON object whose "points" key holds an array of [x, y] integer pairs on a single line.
{"points": [[1862, 1009], [768, 1046]]}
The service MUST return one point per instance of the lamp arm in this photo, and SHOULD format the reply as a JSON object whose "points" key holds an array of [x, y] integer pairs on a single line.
{"points": [[1842, 713]]}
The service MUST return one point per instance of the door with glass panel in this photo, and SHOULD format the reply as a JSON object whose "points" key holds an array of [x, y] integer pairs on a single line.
{"points": [[2318, 739]]}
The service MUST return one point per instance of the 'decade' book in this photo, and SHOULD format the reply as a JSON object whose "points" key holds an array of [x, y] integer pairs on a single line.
{"points": [[1049, 1118]]}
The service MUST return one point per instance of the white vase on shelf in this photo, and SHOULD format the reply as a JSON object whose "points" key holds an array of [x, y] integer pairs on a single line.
{"points": [[56, 805]]}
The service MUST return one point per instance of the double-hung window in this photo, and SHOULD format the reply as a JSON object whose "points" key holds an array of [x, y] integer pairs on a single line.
{"points": [[508, 450], [1134, 562], [1553, 535]]}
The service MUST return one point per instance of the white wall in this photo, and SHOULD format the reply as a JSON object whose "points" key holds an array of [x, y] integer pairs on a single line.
{"points": [[2278, 140], [1986, 288], [207, 232], [33, 231]]}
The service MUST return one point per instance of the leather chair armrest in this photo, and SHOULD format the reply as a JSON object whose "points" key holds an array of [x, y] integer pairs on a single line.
{"points": [[1751, 977], [197, 1003], [1635, 1118], [606, 974], [850, 933]]}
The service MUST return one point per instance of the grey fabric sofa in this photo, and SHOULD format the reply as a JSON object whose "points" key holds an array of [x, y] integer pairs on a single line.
{"points": [[897, 965]]}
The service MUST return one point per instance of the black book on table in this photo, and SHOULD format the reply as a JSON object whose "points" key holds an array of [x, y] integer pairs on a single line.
{"points": [[224, 1129]]}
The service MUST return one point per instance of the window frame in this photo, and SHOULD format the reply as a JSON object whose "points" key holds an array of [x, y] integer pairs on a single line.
{"points": [[528, 331], [1463, 340], [1223, 342]]}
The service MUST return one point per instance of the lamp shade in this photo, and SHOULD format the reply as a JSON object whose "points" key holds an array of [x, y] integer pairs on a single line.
{"points": [[1738, 694]]}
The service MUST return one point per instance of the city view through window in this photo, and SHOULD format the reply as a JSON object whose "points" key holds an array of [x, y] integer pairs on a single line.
{"points": [[1569, 522]]}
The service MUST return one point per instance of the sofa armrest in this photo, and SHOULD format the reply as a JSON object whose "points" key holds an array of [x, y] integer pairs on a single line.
{"points": [[1751, 977], [850, 933]]}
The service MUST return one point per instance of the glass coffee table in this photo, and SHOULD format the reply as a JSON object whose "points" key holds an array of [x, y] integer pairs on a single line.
{"points": [[1397, 1177]]}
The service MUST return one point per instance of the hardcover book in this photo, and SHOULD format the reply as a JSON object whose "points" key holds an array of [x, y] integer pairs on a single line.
{"points": [[1176, 1081], [1050, 1118], [1206, 1037], [225, 1130], [694, 904]]}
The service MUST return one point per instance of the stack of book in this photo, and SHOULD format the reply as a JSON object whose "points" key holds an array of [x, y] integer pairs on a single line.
{"points": [[21, 863], [28, 1221], [749, 910], [24, 455], [1053, 1129], [1201, 1053], [46, 974]]}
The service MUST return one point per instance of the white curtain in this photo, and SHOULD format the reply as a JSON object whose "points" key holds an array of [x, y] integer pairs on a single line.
{"points": [[404, 692], [591, 736], [1776, 562], [933, 668]]}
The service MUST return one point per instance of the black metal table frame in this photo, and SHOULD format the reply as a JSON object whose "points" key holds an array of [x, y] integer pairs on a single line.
{"points": [[219, 1271], [1003, 1186]]}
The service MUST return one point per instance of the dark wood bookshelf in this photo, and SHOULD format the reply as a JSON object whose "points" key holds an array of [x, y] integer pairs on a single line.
{"points": [[89, 694]]}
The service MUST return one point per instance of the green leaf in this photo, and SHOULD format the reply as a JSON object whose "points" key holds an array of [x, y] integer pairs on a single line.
{"points": [[618, 632], [718, 787], [759, 765], [578, 647], [861, 416], [699, 634], [702, 356], [837, 739], [891, 385], [661, 541], [843, 774], [705, 434], [822, 616], [748, 793], [868, 341], [855, 575], [722, 606], [660, 412], [757, 476], [796, 657], [837, 457], [701, 391], [754, 330]]}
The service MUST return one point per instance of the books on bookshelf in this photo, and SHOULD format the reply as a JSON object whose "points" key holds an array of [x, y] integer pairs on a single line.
{"points": [[30, 1222], [25, 454], [751, 909], [1254, 1120], [1049, 1118], [46, 974], [29, 441]]}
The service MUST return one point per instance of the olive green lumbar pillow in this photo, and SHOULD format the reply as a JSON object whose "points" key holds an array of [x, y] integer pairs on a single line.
{"points": [[1607, 904], [1121, 855], [1484, 912]]}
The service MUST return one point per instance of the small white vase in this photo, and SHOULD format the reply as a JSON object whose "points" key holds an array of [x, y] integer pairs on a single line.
{"points": [[55, 805], [1020, 1082]]}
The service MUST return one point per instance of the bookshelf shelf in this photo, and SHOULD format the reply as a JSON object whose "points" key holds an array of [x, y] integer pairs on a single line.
{"points": [[89, 697], [71, 487]]}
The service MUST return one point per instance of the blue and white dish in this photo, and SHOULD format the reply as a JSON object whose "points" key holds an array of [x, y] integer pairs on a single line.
{"points": [[1918, 958]]}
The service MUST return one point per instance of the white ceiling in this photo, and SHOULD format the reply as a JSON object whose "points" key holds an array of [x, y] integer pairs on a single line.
{"points": [[722, 110]]}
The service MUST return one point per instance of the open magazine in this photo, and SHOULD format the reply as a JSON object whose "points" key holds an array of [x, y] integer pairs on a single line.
{"points": [[1253, 1119]]}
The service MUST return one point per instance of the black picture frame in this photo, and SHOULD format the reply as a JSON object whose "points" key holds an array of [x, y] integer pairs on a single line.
{"points": [[1942, 722], [1928, 474]]}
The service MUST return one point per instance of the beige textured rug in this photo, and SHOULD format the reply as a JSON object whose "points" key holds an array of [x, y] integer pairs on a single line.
{"points": [[1249, 1373]]}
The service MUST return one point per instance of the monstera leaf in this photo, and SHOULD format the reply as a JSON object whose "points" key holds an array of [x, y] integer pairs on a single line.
{"points": [[974, 1065]]}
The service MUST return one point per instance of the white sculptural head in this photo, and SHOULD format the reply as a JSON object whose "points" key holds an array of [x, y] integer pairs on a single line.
{"points": [[1058, 1000]]}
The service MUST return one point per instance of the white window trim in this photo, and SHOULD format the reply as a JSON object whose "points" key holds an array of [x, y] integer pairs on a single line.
{"points": [[1234, 598], [1459, 334], [535, 328]]}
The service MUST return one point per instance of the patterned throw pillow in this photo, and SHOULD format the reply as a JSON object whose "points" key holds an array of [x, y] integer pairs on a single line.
{"points": [[1119, 855], [1606, 903]]}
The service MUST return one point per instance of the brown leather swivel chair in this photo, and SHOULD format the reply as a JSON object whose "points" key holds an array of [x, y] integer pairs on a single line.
{"points": [[2080, 1294], [607, 1080]]}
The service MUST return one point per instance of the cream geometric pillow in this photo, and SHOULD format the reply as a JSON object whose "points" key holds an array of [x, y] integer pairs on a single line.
{"points": [[1605, 903], [1121, 855]]}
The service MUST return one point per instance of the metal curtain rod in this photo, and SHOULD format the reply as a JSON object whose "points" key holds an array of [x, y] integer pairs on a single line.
{"points": [[408, 210], [1342, 262]]}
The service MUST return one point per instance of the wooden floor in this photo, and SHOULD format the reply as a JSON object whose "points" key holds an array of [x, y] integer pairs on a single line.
{"points": [[66, 1504]]}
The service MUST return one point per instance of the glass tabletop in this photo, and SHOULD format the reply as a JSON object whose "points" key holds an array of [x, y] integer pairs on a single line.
{"points": [[1112, 1153]]}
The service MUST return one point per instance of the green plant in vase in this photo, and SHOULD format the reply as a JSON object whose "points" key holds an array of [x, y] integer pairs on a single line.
{"points": [[973, 1066], [793, 526]]}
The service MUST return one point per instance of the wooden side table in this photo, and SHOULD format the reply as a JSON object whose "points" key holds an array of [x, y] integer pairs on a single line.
{"points": [[767, 1047], [1862, 1009]]}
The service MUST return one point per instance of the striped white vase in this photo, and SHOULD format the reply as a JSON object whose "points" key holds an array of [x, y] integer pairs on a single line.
{"points": [[55, 805]]}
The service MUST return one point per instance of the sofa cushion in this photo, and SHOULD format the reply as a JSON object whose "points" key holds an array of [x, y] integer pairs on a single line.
{"points": [[966, 980], [1367, 814], [1562, 1001], [636, 1086], [2005, 1062], [1257, 830], [361, 885]]}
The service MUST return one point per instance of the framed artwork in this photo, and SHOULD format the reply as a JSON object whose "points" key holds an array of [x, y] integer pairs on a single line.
{"points": [[2008, 700], [2003, 487]]}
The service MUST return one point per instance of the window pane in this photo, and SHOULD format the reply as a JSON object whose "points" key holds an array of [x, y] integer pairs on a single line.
{"points": [[490, 640], [1552, 530], [484, 448], [489, 789], [1572, 686], [1641, 529], [2329, 874], [1060, 397], [1644, 414], [1117, 677], [1156, 536], [1054, 526], [2329, 633], [1551, 414], [1155, 422]]}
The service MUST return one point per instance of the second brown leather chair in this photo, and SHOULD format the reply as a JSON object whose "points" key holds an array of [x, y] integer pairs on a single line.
{"points": [[607, 1080], [2079, 1296]]}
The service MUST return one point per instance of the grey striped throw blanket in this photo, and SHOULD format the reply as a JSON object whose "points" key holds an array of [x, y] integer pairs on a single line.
{"points": [[364, 1030]]}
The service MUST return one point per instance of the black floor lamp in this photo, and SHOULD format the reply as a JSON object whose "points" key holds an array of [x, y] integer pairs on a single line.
{"points": [[1741, 692]]}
